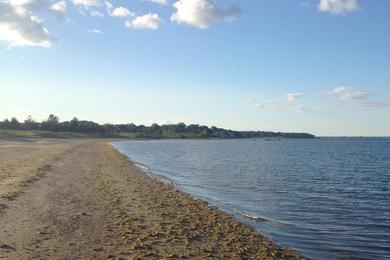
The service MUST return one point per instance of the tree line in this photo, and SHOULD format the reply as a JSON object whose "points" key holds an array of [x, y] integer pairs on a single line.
{"points": [[180, 130]]}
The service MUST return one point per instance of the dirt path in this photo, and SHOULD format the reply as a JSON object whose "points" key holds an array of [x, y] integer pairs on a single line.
{"points": [[89, 202]]}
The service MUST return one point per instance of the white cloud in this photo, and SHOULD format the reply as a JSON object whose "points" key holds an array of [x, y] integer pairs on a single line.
{"points": [[275, 104], [96, 14], [40, 5], [293, 96], [357, 97], [120, 12], [59, 7], [20, 2], [94, 31], [87, 3], [338, 6], [202, 13], [297, 108], [19, 27], [349, 94], [147, 21], [160, 2]]}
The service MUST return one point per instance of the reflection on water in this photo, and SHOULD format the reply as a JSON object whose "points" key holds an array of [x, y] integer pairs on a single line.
{"points": [[327, 198]]}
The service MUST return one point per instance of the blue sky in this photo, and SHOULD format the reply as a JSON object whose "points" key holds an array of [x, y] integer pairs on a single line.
{"points": [[319, 66]]}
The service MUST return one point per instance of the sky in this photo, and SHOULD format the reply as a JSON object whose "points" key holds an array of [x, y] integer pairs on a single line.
{"points": [[318, 66]]}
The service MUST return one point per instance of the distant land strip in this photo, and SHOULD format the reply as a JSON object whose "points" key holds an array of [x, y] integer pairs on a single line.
{"points": [[75, 128]]}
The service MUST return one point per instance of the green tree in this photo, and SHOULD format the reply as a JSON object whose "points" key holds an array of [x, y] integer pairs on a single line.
{"points": [[14, 123], [30, 123], [51, 124]]}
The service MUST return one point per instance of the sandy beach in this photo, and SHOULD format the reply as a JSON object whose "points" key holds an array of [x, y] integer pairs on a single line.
{"points": [[81, 199]]}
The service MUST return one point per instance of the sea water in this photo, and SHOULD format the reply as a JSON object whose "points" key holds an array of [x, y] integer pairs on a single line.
{"points": [[328, 198]]}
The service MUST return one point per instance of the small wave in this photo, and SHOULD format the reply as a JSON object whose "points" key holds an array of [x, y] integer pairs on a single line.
{"points": [[259, 218], [248, 216], [142, 167], [156, 177]]}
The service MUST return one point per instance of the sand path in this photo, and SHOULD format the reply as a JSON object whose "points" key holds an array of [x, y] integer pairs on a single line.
{"points": [[61, 213]]}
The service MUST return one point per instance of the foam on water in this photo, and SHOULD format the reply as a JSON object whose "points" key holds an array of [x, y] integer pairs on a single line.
{"points": [[144, 168]]}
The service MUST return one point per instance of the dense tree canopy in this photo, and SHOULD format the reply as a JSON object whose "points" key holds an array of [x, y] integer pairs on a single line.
{"points": [[179, 130]]}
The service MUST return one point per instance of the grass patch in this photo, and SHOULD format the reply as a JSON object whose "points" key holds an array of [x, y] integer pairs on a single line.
{"points": [[9, 134], [15, 134]]}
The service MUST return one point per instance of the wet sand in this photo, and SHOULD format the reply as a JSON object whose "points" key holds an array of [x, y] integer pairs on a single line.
{"points": [[81, 199]]}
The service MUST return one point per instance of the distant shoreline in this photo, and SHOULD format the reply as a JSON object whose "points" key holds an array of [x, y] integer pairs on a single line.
{"points": [[7, 134], [36, 134], [76, 127]]}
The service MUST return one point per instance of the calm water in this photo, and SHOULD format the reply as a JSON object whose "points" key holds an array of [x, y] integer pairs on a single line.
{"points": [[327, 198]]}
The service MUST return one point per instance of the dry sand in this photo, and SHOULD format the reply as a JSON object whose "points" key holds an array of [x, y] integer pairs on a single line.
{"points": [[82, 199]]}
